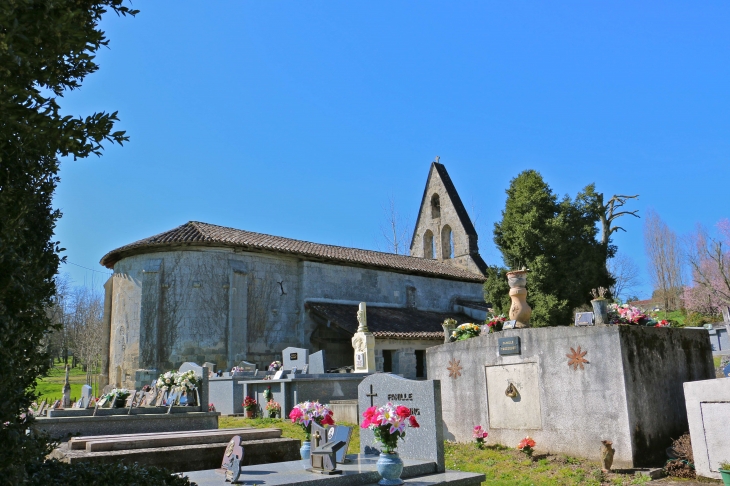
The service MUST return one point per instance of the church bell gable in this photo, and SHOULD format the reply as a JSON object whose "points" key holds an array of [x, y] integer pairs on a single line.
{"points": [[443, 229]]}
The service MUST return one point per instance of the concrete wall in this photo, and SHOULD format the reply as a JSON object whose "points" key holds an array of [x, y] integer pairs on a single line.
{"points": [[224, 306], [628, 392]]}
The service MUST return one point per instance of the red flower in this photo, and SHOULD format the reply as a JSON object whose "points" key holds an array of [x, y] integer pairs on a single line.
{"points": [[412, 420], [295, 415], [327, 420], [403, 412], [526, 442]]}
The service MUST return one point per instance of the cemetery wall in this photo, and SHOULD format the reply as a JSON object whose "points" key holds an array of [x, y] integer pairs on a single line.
{"points": [[628, 389]]}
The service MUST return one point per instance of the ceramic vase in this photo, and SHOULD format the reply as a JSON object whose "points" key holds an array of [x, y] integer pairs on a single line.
{"points": [[520, 310], [600, 311], [390, 467], [305, 452]]}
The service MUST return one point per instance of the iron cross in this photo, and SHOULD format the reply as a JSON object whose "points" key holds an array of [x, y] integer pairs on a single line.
{"points": [[371, 395]]}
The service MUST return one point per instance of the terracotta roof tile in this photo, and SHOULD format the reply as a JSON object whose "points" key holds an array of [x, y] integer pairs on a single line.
{"points": [[194, 232]]}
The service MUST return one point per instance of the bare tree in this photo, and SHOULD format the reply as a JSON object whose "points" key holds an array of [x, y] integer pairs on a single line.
{"points": [[85, 323], [665, 260], [611, 211], [396, 230], [625, 272], [709, 261]]}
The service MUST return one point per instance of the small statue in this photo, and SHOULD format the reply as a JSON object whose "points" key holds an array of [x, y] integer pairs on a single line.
{"points": [[607, 455]]}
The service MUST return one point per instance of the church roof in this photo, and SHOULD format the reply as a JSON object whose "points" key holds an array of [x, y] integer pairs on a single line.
{"points": [[195, 233], [389, 322]]}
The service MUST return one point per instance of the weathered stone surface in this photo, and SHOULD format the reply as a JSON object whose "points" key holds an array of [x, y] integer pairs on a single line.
{"points": [[708, 410], [425, 443], [62, 427], [627, 388], [189, 457], [127, 442]]}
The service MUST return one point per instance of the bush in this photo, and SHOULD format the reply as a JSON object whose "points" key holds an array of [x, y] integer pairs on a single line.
{"points": [[695, 319], [51, 473]]}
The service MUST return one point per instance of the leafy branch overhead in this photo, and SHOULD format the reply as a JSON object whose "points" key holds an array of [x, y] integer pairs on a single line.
{"points": [[46, 49]]}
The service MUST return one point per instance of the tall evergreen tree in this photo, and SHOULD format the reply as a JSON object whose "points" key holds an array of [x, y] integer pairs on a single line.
{"points": [[46, 48], [556, 240]]}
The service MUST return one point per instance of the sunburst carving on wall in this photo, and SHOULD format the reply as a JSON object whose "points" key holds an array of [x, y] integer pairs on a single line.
{"points": [[576, 358], [454, 368]]}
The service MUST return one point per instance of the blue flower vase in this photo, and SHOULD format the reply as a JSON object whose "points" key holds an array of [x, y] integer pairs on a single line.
{"points": [[390, 467], [305, 452]]}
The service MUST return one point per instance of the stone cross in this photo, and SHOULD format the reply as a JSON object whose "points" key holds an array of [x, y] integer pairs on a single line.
{"points": [[363, 342], [362, 318]]}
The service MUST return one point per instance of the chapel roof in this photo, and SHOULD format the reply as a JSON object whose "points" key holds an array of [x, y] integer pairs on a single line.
{"points": [[194, 233], [389, 322]]}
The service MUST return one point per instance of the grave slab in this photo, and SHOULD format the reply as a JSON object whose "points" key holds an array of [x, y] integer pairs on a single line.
{"points": [[708, 410]]}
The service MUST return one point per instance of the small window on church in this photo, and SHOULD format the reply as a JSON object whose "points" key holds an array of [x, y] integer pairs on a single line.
{"points": [[447, 243], [428, 245], [435, 206], [387, 361], [420, 363]]}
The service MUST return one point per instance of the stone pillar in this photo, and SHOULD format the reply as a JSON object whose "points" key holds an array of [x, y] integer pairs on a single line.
{"points": [[449, 325], [406, 359], [106, 330], [66, 402], [363, 342]]}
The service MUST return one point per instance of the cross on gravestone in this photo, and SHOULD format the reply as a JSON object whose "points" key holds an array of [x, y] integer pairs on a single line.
{"points": [[371, 395]]}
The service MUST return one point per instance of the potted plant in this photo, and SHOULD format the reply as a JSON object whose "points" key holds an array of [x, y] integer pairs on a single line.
{"points": [[273, 409], [303, 414], [600, 306], [388, 424], [249, 404], [527, 445], [465, 331], [725, 472]]}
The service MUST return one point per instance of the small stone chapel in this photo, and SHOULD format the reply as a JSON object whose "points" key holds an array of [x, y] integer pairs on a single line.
{"points": [[202, 292]]}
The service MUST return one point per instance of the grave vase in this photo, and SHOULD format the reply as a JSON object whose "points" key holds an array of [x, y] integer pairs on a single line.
{"points": [[390, 467], [520, 310], [600, 311], [305, 451]]}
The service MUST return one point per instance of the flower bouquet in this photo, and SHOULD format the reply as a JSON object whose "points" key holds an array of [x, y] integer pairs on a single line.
{"points": [[479, 435], [117, 397], [275, 366], [465, 331], [495, 323], [273, 409], [249, 404], [166, 381], [388, 424], [305, 413], [527, 445], [626, 314]]}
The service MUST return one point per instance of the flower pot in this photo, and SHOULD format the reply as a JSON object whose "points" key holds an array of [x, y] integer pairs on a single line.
{"points": [[390, 467], [600, 311], [249, 413], [273, 414], [119, 402], [305, 452], [725, 474]]}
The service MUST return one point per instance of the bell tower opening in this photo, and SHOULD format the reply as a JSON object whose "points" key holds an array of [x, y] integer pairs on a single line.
{"points": [[435, 206]]}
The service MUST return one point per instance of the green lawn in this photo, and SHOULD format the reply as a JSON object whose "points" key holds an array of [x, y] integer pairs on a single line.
{"points": [[50, 388], [501, 465]]}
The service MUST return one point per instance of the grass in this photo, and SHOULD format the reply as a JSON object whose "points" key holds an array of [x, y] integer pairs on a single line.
{"points": [[50, 388], [501, 465]]}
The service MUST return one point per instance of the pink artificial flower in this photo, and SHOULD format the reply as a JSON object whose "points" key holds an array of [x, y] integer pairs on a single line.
{"points": [[295, 415]]}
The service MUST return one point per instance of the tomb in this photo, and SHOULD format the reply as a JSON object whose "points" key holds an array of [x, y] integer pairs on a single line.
{"points": [[569, 388]]}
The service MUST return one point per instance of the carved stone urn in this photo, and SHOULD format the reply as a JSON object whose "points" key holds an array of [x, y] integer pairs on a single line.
{"points": [[520, 310]]}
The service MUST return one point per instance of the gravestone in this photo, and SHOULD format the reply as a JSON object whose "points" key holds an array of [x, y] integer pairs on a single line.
{"points": [[85, 396], [423, 397], [211, 366], [294, 358], [317, 363], [232, 459], [325, 446], [187, 366], [246, 366]]}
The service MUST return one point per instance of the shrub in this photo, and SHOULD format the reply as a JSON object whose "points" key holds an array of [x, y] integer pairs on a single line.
{"points": [[52, 473]]}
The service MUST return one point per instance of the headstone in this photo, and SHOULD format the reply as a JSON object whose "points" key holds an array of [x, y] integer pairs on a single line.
{"points": [[323, 457], [232, 459], [363, 343], [584, 319], [210, 366], [423, 397], [246, 366], [85, 396], [317, 363], [187, 366], [295, 358]]}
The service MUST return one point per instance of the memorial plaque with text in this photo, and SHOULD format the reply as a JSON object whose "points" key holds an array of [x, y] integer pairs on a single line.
{"points": [[509, 345]]}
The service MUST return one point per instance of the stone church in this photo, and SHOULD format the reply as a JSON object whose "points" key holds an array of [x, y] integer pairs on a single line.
{"points": [[201, 292]]}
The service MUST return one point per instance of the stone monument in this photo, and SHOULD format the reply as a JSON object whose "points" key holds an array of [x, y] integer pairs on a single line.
{"points": [[66, 402], [520, 310], [363, 342]]}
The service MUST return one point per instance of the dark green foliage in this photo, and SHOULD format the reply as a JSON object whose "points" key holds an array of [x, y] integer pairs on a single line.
{"points": [[46, 47], [52, 473], [556, 240]]}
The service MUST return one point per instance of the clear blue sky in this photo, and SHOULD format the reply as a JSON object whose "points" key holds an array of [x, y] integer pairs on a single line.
{"points": [[299, 119]]}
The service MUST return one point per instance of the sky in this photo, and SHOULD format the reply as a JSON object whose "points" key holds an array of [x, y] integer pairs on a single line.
{"points": [[303, 119]]}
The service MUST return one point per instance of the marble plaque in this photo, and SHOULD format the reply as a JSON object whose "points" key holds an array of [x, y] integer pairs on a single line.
{"points": [[513, 412]]}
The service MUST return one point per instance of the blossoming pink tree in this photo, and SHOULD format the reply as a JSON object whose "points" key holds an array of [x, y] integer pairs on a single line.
{"points": [[709, 260]]}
